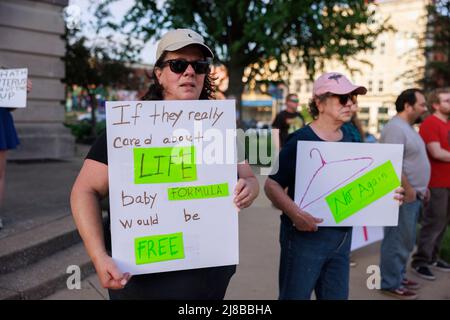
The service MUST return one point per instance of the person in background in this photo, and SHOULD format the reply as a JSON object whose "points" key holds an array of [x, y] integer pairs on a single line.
{"points": [[398, 242], [289, 120], [435, 132], [8, 141]]}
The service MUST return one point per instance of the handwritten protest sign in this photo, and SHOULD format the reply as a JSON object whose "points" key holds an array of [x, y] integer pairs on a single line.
{"points": [[349, 184], [172, 172], [13, 88]]}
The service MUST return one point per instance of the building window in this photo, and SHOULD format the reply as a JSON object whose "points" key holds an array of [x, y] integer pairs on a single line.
{"points": [[298, 85], [382, 47], [383, 110], [365, 110], [380, 86], [370, 86], [308, 86]]}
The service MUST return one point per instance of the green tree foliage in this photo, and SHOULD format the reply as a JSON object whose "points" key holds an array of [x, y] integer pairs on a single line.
{"points": [[92, 69], [247, 33], [91, 63], [437, 45], [433, 45]]}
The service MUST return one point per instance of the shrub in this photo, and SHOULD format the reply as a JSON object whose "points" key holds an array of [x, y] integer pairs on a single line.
{"points": [[82, 130]]}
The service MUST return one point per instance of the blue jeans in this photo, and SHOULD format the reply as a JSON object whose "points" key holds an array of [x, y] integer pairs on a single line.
{"points": [[397, 245], [316, 261]]}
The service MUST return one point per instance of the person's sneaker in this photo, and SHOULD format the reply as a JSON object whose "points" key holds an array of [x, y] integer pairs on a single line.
{"points": [[424, 272], [353, 263], [412, 285], [401, 293], [441, 266]]}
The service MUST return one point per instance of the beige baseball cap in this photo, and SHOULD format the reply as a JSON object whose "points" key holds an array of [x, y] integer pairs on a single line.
{"points": [[180, 38]]}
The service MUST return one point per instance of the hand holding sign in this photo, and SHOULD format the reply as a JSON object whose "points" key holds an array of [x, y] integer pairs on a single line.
{"points": [[29, 86], [109, 275], [399, 195], [303, 221], [14, 87], [243, 194]]}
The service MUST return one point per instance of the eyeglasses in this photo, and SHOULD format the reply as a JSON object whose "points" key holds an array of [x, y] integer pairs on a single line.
{"points": [[180, 66], [343, 98], [293, 100]]}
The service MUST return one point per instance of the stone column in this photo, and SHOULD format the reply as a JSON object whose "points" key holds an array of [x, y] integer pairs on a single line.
{"points": [[31, 37]]}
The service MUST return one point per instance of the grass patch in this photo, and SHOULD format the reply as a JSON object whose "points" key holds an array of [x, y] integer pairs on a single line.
{"points": [[445, 250]]}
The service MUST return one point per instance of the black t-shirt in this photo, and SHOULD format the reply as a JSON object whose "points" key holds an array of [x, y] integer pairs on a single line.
{"points": [[287, 160], [287, 123], [99, 150]]}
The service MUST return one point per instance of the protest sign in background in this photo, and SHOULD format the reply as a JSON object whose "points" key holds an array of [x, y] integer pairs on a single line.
{"points": [[13, 88]]}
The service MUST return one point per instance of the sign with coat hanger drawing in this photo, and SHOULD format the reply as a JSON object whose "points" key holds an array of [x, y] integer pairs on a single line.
{"points": [[349, 184]]}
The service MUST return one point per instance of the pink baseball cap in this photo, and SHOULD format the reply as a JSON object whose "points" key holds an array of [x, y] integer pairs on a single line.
{"points": [[337, 83]]}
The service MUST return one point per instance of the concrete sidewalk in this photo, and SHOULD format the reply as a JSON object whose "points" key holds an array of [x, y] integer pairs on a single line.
{"points": [[37, 193]]}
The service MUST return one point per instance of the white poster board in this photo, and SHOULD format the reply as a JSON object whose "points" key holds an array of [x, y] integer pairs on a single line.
{"points": [[363, 236], [13, 88], [172, 173], [349, 184]]}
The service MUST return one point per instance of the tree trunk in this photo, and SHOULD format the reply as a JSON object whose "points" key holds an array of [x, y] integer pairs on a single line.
{"points": [[236, 88]]}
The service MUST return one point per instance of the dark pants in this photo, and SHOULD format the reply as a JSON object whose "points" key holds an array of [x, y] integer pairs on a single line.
{"points": [[195, 284], [434, 223], [314, 261]]}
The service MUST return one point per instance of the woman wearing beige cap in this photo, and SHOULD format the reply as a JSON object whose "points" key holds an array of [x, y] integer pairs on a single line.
{"points": [[314, 258], [181, 73]]}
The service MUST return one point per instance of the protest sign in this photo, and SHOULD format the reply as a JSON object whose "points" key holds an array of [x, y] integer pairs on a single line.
{"points": [[13, 88], [349, 184], [172, 173]]}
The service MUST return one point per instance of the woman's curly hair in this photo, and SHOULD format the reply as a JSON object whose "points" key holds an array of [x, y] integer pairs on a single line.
{"points": [[313, 110]]}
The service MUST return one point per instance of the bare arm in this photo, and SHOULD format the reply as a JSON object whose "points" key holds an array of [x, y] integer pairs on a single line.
{"points": [[90, 186], [410, 192], [247, 188], [302, 220], [437, 152]]}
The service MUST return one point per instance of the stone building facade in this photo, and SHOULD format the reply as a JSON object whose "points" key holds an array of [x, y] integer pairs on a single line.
{"points": [[31, 36]]}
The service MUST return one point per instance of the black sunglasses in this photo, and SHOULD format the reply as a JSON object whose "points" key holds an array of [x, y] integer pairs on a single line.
{"points": [[180, 66], [343, 98]]}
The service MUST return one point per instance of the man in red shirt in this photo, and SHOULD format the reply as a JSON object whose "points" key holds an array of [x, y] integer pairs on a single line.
{"points": [[435, 131]]}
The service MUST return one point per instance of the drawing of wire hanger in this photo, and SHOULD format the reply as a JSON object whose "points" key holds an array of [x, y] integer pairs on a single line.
{"points": [[323, 165]]}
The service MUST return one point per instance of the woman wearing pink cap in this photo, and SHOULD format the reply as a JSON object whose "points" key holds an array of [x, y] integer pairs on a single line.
{"points": [[314, 258], [181, 73]]}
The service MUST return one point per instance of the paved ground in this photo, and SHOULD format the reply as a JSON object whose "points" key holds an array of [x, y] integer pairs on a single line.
{"points": [[38, 192]]}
